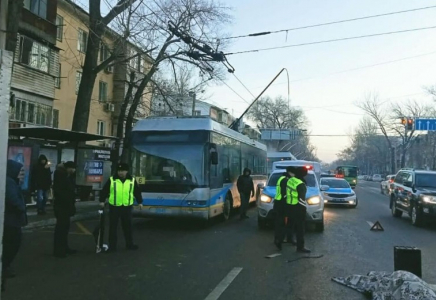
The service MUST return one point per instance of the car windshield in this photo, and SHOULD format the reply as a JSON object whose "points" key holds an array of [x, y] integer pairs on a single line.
{"points": [[335, 183], [310, 179], [425, 180]]}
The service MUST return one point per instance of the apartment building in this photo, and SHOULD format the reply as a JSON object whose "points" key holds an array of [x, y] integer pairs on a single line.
{"points": [[111, 84], [36, 61]]}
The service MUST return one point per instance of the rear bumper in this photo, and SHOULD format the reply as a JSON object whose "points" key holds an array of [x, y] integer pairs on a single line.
{"points": [[169, 211]]}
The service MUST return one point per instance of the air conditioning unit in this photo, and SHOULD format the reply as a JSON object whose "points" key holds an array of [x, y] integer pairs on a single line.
{"points": [[109, 69], [109, 107]]}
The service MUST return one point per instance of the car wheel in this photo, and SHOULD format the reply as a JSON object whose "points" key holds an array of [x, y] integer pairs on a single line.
{"points": [[319, 227], [416, 216], [261, 223], [395, 212], [228, 205]]}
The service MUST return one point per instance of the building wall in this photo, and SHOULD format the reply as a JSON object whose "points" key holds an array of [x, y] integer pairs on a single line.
{"points": [[35, 67], [71, 60]]}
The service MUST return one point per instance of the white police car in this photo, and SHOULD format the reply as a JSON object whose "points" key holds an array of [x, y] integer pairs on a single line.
{"points": [[315, 202], [339, 192]]}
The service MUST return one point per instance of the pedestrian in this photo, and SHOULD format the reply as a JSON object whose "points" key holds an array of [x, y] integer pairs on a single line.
{"points": [[15, 216], [246, 189], [41, 178], [280, 208], [121, 189], [64, 189], [296, 192]]}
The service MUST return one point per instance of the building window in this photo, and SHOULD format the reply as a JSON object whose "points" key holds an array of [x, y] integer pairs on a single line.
{"points": [[20, 110], [31, 113], [34, 54], [102, 94], [58, 78], [82, 40], [78, 80], [43, 115], [55, 118], [134, 62], [59, 27], [104, 52], [101, 127], [197, 113], [38, 7]]}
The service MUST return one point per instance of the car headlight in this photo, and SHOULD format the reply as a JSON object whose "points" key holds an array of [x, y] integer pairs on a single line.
{"points": [[354, 180], [314, 200], [429, 199], [265, 198]]}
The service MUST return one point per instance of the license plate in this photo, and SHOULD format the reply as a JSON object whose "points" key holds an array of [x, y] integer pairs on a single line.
{"points": [[337, 200]]}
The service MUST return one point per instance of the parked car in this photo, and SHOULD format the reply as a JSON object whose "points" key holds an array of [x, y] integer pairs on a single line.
{"points": [[386, 185], [414, 194], [339, 192], [377, 178]]}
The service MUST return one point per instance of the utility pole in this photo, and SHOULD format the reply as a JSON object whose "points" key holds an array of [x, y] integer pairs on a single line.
{"points": [[5, 88], [193, 96]]}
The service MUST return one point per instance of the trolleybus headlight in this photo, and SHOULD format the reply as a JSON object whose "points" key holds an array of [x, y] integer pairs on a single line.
{"points": [[265, 198], [314, 200]]}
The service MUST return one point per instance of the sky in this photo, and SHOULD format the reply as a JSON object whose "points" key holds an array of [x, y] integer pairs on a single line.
{"points": [[328, 99]]}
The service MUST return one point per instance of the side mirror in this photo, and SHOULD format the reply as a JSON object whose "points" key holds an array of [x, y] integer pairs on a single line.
{"points": [[408, 183], [261, 185], [324, 188], [214, 158]]}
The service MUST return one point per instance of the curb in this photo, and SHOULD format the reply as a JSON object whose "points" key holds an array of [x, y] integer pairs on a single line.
{"points": [[52, 221]]}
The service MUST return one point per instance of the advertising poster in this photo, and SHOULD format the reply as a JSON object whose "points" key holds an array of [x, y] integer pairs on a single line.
{"points": [[94, 171], [23, 155]]}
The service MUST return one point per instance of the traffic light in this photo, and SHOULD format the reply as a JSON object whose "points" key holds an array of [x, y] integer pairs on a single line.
{"points": [[410, 124], [404, 121]]}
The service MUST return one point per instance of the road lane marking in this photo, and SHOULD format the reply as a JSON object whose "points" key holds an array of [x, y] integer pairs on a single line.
{"points": [[83, 228], [224, 284], [370, 223]]}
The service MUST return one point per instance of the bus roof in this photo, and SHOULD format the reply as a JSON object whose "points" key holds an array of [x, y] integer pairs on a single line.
{"points": [[174, 123], [280, 154]]}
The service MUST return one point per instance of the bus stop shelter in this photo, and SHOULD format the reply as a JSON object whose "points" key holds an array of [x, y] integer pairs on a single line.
{"points": [[93, 162]]}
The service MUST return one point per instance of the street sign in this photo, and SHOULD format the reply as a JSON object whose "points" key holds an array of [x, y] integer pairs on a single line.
{"points": [[425, 124], [279, 134]]}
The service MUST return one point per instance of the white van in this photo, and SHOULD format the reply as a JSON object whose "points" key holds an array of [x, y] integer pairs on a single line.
{"points": [[310, 165]]}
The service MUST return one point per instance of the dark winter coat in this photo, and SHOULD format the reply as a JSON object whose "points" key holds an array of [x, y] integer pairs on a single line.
{"points": [[41, 175], [64, 191], [15, 206], [245, 183]]}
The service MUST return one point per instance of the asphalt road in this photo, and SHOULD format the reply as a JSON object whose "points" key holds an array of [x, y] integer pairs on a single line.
{"points": [[183, 260]]}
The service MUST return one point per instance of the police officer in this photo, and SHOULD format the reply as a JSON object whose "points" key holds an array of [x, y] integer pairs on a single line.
{"points": [[121, 189], [296, 192], [281, 210]]}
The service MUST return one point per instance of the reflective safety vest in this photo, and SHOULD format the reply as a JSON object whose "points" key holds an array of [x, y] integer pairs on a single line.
{"points": [[278, 196], [121, 194], [291, 190]]}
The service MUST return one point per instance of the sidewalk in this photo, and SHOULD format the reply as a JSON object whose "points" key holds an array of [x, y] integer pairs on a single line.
{"points": [[84, 210]]}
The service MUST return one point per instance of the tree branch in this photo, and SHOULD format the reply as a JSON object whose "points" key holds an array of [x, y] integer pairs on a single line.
{"points": [[121, 6]]}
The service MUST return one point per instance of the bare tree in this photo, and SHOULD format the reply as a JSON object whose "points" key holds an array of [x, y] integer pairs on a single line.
{"points": [[196, 19], [373, 107], [410, 109], [98, 26]]}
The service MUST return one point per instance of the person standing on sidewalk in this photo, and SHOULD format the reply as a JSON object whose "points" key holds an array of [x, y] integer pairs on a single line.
{"points": [[121, 189], [246, 189], [15, 216], [64, 189], [41, 178]]}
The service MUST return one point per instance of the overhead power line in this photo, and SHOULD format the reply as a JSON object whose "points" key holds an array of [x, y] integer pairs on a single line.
{"points": [[332, 40], [328, 23]]}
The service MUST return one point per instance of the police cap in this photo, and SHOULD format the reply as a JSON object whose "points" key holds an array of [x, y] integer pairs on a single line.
{"points": [[123, 167]]}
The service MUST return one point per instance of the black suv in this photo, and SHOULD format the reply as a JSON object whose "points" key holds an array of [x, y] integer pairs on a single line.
{"points": [[414, 193]]}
